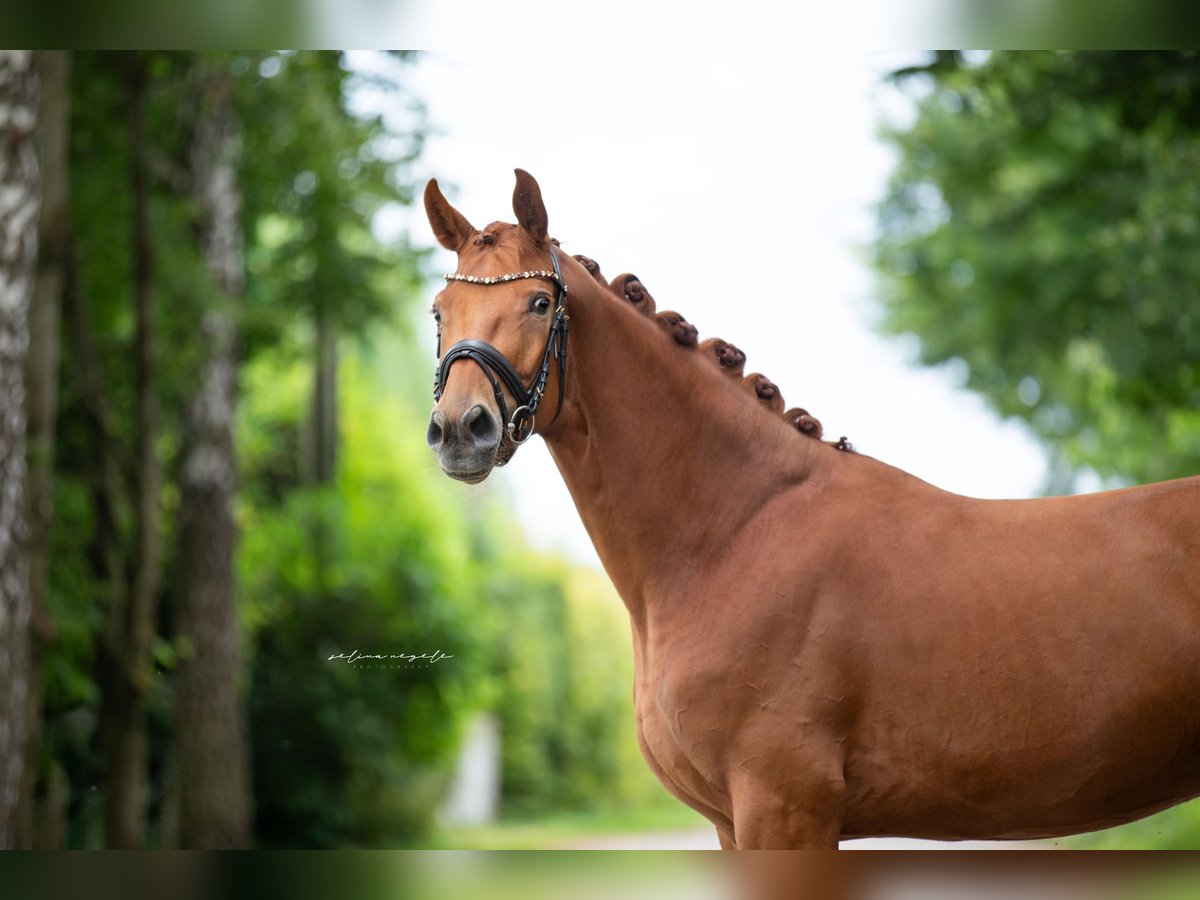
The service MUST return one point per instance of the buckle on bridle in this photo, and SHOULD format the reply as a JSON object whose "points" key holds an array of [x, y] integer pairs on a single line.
{"points": [[520, 426]]}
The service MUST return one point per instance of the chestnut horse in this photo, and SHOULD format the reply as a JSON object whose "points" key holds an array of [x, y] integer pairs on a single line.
{"points": [[826, 647]]}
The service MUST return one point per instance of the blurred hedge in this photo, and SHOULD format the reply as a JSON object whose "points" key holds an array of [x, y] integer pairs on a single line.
{"points": [[394, 557]]}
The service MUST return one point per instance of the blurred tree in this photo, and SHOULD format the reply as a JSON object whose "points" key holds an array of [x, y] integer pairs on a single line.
{"points": [[320, 174], [140, 281], [368, 767], [210, 731], [1041, 227], [130, 624], [41, 386], [20, 199]]}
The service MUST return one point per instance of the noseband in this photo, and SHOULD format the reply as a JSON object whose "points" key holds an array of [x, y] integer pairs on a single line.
{"points": [[499, 370]]}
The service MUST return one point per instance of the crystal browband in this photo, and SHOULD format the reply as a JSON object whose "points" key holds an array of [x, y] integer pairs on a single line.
{"points": [[511, 276]]}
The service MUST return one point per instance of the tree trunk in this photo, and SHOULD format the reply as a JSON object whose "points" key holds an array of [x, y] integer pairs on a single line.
{"points": [[106, 550], [41, 378], [19, 202], [210, 738], [148, 485], [323, 427], [132, 625], [321, 440], [105, 475]]}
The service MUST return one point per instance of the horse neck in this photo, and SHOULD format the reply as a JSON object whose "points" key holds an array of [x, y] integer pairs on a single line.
{"points": [[665, 456]]}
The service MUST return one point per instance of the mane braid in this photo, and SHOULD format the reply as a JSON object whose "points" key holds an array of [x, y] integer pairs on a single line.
{"points": [[729, 359]]}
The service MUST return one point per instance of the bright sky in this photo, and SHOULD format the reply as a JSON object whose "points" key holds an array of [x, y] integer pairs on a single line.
{"points": [[648, 163]]}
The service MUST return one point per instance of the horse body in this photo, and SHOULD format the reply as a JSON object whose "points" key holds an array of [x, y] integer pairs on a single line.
{"points": [[827, 647], [964, 668], [1034, 669]]}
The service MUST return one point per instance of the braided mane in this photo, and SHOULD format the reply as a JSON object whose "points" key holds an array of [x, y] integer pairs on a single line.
{"points": [[725, 356]]}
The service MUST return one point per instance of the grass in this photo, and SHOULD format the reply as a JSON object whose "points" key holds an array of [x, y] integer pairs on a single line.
{"points": [[1174, 829], [560, 830]]}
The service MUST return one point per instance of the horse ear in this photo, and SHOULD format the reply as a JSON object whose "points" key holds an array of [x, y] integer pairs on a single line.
{"points": [[450, 227], [528, 205]]}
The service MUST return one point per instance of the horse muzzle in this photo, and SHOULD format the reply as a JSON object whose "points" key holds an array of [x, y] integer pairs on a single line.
{"points": [[467, 444]]}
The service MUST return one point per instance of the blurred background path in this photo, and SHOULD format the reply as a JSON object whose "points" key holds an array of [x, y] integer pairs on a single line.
{"points": [[706, 839]]}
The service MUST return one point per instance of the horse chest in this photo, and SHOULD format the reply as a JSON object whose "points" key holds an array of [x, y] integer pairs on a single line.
{"points": [[679, 724], [674, 760]]}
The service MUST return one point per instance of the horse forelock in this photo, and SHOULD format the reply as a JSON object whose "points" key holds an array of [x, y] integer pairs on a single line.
{"points": [[499, 248]]}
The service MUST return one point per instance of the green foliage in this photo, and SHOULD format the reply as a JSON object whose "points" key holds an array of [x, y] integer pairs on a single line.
{"points": [[315, 178], [566, 671], [389, 559], [76, 608], [1175, 829], [559, 831], [1041, 227], [376, 563]]}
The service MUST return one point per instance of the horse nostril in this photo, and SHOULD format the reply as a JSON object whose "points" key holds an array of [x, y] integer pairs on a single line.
{"points": [[482, 426], [434, 433]]}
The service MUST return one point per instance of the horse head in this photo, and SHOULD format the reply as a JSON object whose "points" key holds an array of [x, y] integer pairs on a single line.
{"points": [[501, 333]]}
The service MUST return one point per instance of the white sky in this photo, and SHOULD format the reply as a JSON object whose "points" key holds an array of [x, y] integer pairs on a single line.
{"points": [[649, 161]]}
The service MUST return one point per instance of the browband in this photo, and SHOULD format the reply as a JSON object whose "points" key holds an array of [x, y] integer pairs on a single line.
{"points": [[555, 276]]}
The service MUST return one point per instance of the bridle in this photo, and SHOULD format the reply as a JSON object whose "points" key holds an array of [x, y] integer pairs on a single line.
{"points": [[496, 366]]}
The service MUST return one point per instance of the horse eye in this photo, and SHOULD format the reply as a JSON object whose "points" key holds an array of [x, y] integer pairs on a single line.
{"points": [[540, 305]]}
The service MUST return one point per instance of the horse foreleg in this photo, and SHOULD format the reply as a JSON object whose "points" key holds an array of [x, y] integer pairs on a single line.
{"points": [[726, 839], [787, 814]]}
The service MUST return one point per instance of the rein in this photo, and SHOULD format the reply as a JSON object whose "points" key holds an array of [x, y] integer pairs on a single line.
{"points": [[496, 365]]}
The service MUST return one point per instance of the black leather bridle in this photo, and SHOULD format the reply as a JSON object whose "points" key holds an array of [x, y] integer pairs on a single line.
{"points": [[499, 370]]}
